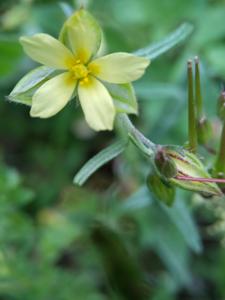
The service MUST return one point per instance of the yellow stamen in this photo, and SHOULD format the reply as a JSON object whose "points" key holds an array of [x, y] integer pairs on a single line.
{"points": [[94, 68], [85, 80], [79, 71]]}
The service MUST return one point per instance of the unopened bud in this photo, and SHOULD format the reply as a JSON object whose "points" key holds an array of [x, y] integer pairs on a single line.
{"points": [[164, 164], [204, 130], [190, 167], [221, 106], [162, 190]]}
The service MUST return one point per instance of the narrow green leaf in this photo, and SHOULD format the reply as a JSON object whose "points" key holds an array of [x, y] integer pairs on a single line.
{"points": [[172, 40], [138, 200], [172, 249], [124, 97], [26, 87], [181, 216], [99, 160]]}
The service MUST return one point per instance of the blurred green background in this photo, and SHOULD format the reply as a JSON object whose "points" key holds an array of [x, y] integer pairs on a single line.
{"points": [[110, 239]]}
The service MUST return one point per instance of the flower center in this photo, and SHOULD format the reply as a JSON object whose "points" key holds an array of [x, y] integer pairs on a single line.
{"points": [[80, 71]]}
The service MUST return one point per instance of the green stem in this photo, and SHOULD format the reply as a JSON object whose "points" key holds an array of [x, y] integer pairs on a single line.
{"points": [[192, 132], [220, 163], [143, 143], [198, 94]]}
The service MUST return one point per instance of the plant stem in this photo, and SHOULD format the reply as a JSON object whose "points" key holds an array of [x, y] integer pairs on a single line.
{"points": [[143, 143], [198, 95], [192, 132], [220, 163]]}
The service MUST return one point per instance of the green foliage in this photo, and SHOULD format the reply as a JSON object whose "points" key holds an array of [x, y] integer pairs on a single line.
{"points": [[11, 55], [157, 49], [121, 268], [48, 226], [124, 97], [99, 160], [163, 191]]}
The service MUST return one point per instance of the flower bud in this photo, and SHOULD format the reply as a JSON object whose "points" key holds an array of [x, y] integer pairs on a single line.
{"points": [[162, 190], [189, 167], [221, 106], [165, 164]]}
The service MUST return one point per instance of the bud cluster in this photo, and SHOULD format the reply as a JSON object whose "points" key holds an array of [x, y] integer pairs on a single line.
{"points": [[185, 170], [180, 166]]}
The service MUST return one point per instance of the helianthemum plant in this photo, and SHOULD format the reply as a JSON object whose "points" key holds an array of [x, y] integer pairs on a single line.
{"points": [[73, 68], [81, 71]]}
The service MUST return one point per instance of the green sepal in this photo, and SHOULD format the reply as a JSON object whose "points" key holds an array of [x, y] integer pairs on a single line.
{"points": [[27, 86], [189, 165], [164, 164], [161, 189], [123, 97]]}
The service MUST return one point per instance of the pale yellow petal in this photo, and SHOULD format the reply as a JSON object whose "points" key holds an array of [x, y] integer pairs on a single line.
{"points": [[84, 35], [119, 67], [97, 105], [52, 96], [47, 50]]}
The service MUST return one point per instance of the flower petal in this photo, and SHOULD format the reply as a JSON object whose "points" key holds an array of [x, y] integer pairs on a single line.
{"points": [[119, 67], [97, 105], [52, 96], [47, 50], [82, 34]]}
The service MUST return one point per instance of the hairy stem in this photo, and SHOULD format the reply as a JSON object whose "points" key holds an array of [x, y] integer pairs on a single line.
{"points": [[143, 143]]}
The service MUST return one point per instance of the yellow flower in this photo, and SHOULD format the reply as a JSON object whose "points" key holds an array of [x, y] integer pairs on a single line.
{"points": [[75, 55]]}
